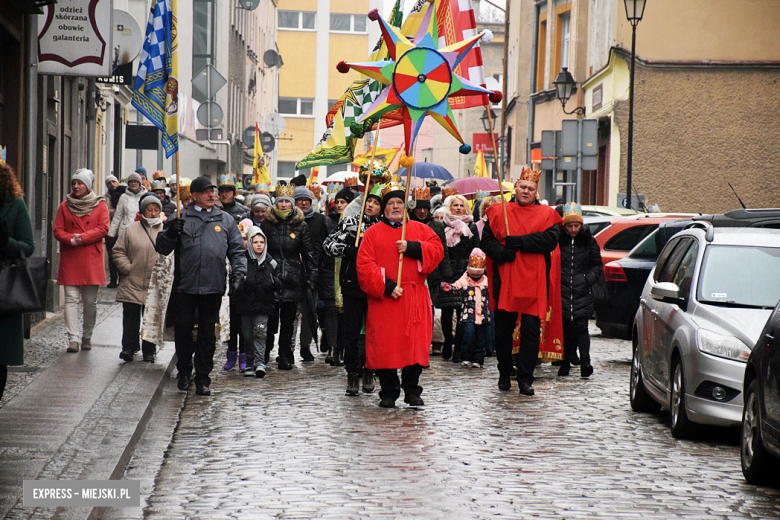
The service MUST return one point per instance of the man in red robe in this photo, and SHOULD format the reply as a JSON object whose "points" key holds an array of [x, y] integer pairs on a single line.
{"points": [[518, 271], [399, 321]]}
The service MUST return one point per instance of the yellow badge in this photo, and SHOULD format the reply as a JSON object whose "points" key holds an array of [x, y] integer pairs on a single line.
{"points": [[471, 293], [217, 229], [292, 235]]}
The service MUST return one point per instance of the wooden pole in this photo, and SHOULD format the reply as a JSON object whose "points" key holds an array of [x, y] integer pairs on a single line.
{"points": [[498, 170], [409, 178], [178, 187], [365, 190]]}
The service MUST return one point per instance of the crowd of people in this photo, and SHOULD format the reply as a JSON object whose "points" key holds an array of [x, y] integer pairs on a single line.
{"points": [[379, 280]]}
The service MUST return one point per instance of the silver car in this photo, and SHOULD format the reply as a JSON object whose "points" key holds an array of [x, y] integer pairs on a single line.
{"points": [[701, 310]]}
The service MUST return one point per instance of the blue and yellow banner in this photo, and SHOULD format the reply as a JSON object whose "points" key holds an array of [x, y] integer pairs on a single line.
{"points": [[157, 84]]}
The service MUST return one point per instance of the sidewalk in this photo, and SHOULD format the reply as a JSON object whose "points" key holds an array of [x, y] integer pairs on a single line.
{"points": [[75, 416]]}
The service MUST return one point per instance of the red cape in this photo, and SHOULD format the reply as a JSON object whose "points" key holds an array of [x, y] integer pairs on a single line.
{"points": [[524, 281], [398, 332]]}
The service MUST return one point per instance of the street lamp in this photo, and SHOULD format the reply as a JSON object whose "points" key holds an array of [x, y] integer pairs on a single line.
{"points": [[635, 9], [565, 86], [487, 118]]}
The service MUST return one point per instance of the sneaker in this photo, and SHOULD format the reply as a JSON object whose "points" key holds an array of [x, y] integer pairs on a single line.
{"points": [[465, 363], [248, 372], [73, 346], [260, 371], [476, 365], [86, 343]]}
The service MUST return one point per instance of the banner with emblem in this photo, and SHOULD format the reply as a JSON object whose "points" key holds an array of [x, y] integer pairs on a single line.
{"points": [[157, 83]]}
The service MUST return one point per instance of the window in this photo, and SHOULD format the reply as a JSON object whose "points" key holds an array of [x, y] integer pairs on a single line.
{"points": [[628, 238], [733, 276], [285, 169], [668, 262], [202, 40], [541, 52], [562, 37], [303, 20], [348, 23], [296, 106]]}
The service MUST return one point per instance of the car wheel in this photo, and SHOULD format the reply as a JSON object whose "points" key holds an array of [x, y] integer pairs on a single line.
{"points": [[640, 399], [682, 427], [756, 462]]}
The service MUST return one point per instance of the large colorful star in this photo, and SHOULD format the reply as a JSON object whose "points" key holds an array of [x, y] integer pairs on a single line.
{"points": [[419, 77]]}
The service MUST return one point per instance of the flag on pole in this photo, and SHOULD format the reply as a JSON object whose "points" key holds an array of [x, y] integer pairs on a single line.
{"points": [[313, 176], [480, 168], [261, 175], [156, 84], [457, 23]]}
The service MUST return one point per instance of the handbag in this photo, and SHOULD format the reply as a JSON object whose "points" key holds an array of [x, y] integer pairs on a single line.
{"points": [[599, 290], [23, 284]]}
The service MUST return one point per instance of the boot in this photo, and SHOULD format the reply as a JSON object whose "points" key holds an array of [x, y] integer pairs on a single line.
{"points": [[339, 358], [306, 353], [241, 362], [231, 360], [456, 355], [446, 351], [368, 381], [329, 358], [353, 381]]}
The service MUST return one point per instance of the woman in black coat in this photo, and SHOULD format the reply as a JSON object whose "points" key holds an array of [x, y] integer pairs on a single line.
{"points": [[289, 243], [460, 241], [580, 269]]}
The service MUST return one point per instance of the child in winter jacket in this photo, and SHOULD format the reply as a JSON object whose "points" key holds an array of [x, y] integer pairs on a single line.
{"points": [[257, 297], [475, 310]]}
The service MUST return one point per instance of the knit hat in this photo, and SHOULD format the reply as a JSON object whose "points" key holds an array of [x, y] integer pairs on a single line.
{"points": [[110, 178], [149, 198], [140, 169], [259, 199], [572, 212], [133, 177], [345, 194], [244, 226], [285, 192], [84, 176], [299, 180], [302, 192], [173, 179], [477, 261]]}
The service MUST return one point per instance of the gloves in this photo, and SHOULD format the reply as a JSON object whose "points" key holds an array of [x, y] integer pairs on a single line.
{"points": [[515, 242], [175, 227], [235, 285]]}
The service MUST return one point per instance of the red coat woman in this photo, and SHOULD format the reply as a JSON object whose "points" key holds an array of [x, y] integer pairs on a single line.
{"points": [[80, 226], [399, 320]]}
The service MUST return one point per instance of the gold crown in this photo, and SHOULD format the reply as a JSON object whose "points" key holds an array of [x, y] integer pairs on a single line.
{"points": [[527, 174], [572, 208], [286, 190], [379, 172], [477, 261], [448, 191], [421, 193], [391, 187], [159, 174], [351, 182]]}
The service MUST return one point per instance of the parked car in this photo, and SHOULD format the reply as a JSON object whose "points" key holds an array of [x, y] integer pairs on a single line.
{"points": [[625, 233], [625, 279], [701, 311], [766, 218], [598, 224], [606, 211], [760, 439]]}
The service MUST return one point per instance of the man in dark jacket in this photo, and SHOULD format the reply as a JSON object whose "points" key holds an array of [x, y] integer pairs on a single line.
{"points": [[318, 231], [227, 197], [518, 275], [422, 213], [580, 269], [203, 238], [168, 207]]}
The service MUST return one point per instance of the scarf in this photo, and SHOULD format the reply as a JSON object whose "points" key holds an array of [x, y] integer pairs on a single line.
{"points": [[83, 206], [309, 212], [457, 225], [481, 225], [282, 214]]}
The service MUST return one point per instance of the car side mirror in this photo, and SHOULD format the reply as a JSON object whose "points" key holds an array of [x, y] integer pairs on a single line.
{"points": [[666, 292]]}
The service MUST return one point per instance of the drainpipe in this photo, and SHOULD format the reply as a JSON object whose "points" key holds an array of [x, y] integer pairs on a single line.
{"points": [[30, 138], [532, 75], [91, 117]]}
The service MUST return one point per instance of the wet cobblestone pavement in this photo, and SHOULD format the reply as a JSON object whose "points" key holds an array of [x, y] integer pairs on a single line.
{"points": [[293, 445]]}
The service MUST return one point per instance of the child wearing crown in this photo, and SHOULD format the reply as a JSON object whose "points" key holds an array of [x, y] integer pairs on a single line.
{"points": [[472, 288]]}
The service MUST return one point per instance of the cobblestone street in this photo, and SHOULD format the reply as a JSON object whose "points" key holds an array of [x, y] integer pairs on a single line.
{"points": [[294, 446]]}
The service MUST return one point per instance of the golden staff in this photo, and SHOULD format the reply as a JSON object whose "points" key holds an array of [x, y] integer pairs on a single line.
{"points": [[498, 170], [365, 189], [409, 177], [178, 186]]}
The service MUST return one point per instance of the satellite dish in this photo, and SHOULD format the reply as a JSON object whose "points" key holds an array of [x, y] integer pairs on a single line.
{"points": [[210, 120], [271, 58], [492, 84], [128, 37], [249, 5], [275, 124]]}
